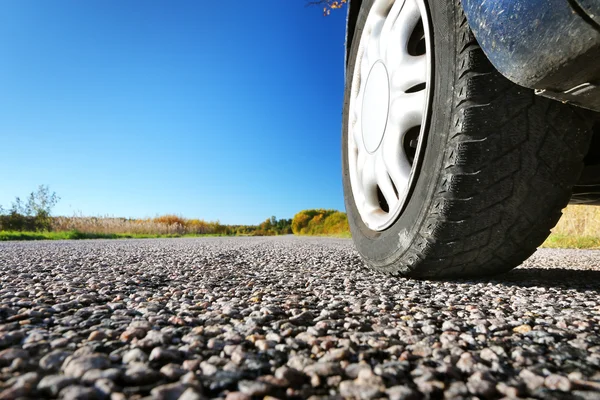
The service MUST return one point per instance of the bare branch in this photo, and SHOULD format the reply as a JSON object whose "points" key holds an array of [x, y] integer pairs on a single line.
{"points": [[328, 5]]}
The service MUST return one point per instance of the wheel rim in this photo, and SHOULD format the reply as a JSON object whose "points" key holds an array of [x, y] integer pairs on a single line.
{"points": [[389, 101]]}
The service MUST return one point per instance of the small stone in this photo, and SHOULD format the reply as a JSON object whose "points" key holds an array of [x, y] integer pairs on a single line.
{"points": [[53, 360], [53, 384], [315, 381], [97, 336], [488, 355], [456, 390], [237, 396], [132, 333], [479, 385], [162, 355], [190, 378], [191, 365], [299, 362], [134, 355], [303, 319], [522, 329], [59, 343], [191, 394], [323, 369], [292, 376], [530, 379], [238, 356], [208, 368], [8, 355], [26, 381], [274, 337], [83, 351], [335, 355], [253, 388], [140, 374], [77, 366], [93, 375], [402, 393], [466, 363], [507, 390], [450, 326], [171, 391], [13, 393], [429, 387], [334, 381], [264, 345], [352, 370], [78, 392], [152, 340], [173, 371], [105, 386], [215, 344], [366, 386], [557, 382]]}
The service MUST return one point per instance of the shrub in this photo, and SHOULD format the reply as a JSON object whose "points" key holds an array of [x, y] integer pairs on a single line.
{"points": [[320, 222]]}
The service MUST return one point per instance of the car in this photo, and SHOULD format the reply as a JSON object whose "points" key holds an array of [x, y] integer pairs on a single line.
{"points": [[467, 127]]}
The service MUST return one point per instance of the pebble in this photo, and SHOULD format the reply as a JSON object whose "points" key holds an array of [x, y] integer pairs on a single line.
{"points": [[292, 376], [161, 355], [557, 382], [53, 360], [171, 391], [78, 392], [7, 356], [140, 374], [365, 386], [134, 355], [53, 384], [76, 366], [173, 371], [253, 388]]}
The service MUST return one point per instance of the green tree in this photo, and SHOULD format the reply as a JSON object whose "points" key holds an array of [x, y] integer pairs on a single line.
{"points": [[41, 202], [32, 215]]}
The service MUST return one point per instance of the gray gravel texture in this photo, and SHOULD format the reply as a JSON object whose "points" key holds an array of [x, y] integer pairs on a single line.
{"points": [[287, 317]]}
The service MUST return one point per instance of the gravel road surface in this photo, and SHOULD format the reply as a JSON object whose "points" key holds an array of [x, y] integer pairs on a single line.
{"points": [[287, 317]]}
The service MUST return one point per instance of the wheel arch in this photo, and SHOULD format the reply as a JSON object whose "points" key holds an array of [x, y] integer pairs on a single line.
{"points": [[352, 17]]}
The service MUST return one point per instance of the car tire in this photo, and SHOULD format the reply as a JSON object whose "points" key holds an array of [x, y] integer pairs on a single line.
{"points": [[492, 164]]}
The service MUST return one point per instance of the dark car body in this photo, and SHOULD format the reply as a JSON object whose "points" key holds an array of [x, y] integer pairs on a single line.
{"points": [[550, 46]]}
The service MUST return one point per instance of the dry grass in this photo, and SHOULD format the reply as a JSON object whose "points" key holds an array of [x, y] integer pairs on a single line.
{"points": [[579, 221], [164, 225], [579, 228]]}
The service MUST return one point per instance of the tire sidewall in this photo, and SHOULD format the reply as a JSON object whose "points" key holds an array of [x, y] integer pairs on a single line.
{"points": [[383, 248]]}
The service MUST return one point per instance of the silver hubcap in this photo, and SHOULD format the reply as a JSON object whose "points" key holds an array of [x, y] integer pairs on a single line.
{"points": [[388, 108]]}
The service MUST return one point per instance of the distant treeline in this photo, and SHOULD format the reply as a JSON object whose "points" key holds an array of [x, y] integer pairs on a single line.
{"points": [[320, 222], [34, 215], [162, 225]]}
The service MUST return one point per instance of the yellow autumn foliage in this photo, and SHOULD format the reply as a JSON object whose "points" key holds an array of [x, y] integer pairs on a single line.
{"points": [[320, 222]]}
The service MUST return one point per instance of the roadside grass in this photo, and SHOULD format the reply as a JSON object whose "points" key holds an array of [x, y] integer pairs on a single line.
{"points": [[556, 241], [340, 235], [74, 235], [579, 228], [578, 220]]}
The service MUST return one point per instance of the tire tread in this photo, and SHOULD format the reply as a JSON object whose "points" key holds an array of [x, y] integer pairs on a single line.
{"points": [[507, 148]]}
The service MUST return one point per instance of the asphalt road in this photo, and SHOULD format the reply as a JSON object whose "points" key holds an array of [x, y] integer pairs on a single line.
{"points": [[287, 317]]}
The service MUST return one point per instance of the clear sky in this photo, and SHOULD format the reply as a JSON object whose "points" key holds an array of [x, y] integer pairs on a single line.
{"points": [[207, 109]]}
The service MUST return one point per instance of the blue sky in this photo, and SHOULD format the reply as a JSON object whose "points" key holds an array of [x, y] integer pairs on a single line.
{"points": [[213, 110]]}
